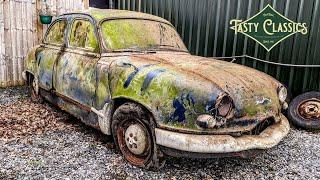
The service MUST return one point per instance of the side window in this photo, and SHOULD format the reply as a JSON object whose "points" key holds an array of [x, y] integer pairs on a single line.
{"points": [[83, 36], [56, 33]]}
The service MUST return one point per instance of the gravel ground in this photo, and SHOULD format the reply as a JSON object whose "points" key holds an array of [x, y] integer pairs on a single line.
{"points": [[37, 141]]}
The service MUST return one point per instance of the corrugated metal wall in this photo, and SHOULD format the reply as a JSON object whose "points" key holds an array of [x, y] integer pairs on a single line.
{"points": [[18, 33], [204, 27]]}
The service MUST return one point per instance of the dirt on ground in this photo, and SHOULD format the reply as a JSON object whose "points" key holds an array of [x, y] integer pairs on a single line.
{"points": [[38, 141]]}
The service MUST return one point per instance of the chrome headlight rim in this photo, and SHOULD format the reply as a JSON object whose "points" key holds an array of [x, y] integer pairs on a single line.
{"points": [[205, 121], [282, 93]]}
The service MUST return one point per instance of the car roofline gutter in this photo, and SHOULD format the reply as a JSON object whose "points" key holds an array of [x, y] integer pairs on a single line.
{"points": [[127, 17]]}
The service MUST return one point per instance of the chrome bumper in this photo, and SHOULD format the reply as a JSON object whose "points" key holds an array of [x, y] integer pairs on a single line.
{"points": [[223, 143]]}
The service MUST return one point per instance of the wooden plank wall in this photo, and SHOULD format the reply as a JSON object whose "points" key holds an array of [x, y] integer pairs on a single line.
{"points": [[20, 30], [59, 7], [2, 49]]}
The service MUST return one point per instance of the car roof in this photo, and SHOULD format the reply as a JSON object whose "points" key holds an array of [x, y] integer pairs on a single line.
{"points": [[101, 14]]}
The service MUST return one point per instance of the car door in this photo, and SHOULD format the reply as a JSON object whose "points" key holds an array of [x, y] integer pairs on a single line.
{"points": [[52, 49], [75, 72]]}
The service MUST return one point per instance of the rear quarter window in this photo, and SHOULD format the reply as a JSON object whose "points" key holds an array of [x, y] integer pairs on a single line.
{"points": [[56, 33], [83, 36]]}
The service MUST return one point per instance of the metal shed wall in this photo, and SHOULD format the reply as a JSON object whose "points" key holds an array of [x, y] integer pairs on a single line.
{"points": [[20, 30], [204, 27]]}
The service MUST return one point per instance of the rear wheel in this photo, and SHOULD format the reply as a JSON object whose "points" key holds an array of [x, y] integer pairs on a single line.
{"points": [[132, 129], [304, 111]]}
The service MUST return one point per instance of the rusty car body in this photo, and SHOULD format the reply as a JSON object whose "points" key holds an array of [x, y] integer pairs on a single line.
{"points": [[104, 65]]}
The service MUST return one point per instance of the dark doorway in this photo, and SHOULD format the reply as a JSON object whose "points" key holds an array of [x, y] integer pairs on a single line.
{"points": [[101, 4]]}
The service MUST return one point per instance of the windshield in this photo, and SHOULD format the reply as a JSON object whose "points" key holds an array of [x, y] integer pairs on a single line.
{"points": [[138, 34]]}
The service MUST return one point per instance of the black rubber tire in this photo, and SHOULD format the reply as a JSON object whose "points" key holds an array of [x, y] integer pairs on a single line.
{"points": [[296, 118], [132, 112]]}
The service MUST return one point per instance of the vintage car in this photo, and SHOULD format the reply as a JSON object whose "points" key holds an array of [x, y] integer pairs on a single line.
{"points": [[130, 75]]}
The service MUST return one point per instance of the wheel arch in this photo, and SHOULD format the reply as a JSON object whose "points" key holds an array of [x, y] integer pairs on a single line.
{"points": [[29, 77], [118, 101], [107, 112]]}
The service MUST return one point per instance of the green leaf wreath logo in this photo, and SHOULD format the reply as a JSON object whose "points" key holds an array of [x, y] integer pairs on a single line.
{"points": [[268, 27]]}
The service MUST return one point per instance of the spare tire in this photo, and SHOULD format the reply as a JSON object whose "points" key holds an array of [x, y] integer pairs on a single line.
{"points": [[304, 111]]}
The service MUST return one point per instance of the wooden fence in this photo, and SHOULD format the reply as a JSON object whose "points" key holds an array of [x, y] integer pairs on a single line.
{"points": [[20, 30]]}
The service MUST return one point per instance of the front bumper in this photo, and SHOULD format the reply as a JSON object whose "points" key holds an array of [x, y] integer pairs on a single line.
{"points": [[268, 138]]}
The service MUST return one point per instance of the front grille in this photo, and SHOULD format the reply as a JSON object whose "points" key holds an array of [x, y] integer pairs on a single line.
{"points": [[261, 126]]}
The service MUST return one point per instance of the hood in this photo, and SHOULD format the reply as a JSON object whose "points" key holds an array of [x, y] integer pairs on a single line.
{"points": [[253, 92]]}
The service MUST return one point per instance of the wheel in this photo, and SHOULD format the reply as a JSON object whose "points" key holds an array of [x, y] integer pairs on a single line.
{"points": [[133, 133], [304, 111], [34, 88]]}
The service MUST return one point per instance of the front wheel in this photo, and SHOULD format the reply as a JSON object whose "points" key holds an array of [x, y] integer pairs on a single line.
{"points": [[304, 111], [133, 134]]}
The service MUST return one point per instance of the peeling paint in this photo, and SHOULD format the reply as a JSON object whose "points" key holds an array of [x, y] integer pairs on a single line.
{"points": [[133, 74], [149, 77]]}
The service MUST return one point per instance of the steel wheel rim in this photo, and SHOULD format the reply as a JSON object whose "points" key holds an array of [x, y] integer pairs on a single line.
{"points": [[309, 109], [138, 158], [136, 139], [35, 86]]}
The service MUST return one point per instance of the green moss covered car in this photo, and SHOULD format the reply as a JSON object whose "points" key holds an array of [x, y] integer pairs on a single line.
{"points": [[130, 75]]}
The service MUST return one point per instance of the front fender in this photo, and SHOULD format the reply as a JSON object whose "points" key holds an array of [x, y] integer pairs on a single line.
{"points": [[175, 99]]}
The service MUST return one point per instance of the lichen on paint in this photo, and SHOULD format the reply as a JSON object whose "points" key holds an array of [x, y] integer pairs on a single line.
{"points": [[124, 34], [57, 32], [82, 35]]}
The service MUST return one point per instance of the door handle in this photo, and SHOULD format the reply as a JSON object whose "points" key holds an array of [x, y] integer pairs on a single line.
{"points": [[91, 54]]}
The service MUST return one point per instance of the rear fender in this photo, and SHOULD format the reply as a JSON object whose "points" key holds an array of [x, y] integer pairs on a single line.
{"points": [[31, 60]]}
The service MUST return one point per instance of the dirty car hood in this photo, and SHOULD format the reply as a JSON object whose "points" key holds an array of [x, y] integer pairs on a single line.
{"points": [[254, 93]]}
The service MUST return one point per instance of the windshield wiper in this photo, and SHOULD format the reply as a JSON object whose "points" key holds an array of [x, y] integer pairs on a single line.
{"points": [[151, 49], [167, 47], [163, 45]]}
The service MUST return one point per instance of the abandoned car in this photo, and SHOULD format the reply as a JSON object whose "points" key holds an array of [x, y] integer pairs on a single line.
{"points": [[130, 75]]}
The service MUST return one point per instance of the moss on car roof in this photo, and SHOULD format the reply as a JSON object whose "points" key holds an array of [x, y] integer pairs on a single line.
{"points": [[100, 14]]}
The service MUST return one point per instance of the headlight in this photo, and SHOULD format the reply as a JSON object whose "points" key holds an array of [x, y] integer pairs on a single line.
{"points": [[282, 93], [219, 113], [206, 121], [224, 106]]}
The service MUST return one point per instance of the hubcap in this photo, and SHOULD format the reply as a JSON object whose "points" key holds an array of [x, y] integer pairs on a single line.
{"points": [[35, 85], [310, 109], [136, 139]]}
